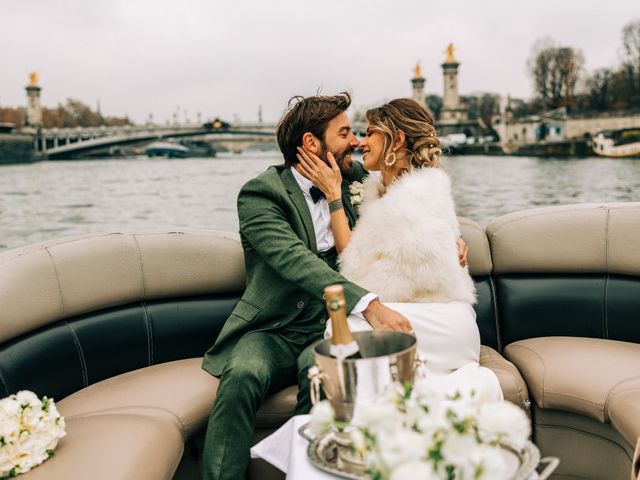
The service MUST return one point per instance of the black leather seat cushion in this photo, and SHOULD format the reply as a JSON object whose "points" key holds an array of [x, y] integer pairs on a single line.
{"points": [[578, 305], [66, 356]]}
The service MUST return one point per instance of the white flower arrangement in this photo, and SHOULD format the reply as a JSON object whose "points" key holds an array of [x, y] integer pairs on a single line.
{"points": [[356, 189], [29, 432], [422, 433]]}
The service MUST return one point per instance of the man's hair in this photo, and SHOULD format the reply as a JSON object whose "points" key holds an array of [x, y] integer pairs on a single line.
{"points": [[307, 114]]}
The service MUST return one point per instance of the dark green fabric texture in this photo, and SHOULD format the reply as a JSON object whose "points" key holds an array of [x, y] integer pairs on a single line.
{"points": [[284, 273]]}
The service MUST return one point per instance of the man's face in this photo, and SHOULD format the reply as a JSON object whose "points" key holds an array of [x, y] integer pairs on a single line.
{"points": [[339, 140]]}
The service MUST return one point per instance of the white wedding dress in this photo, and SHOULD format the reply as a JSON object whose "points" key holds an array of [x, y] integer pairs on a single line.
{"points": [[403, 248]]}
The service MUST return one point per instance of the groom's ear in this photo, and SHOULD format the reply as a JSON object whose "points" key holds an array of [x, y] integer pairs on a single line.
{"points": [[310, 142]]}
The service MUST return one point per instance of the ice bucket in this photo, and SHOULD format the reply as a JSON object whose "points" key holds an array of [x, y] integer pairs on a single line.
{"points": [[388, 357]]}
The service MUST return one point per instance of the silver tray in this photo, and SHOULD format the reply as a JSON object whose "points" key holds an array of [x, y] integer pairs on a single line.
{"points": [[323, 454]]}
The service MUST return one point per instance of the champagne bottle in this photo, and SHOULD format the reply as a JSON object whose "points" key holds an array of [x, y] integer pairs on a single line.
{"points": [[343, 346]]}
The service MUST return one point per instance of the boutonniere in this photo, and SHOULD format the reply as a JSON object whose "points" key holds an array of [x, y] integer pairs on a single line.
{"points": [[356, 189]]}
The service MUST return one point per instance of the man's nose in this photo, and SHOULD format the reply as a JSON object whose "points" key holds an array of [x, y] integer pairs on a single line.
{"points": [[354, 141]]}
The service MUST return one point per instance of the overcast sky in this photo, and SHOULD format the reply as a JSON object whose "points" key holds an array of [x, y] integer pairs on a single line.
{"points": [[226, 57]]}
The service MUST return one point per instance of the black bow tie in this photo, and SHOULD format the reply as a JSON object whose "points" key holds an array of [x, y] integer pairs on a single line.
{"points": [[316, 194]]}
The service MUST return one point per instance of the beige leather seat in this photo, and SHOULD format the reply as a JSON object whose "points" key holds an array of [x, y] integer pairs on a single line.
{"points": [[596, 378], [145, 413], [513, 387]]}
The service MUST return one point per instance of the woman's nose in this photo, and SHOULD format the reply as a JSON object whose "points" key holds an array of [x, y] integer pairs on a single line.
{"points": [[363, 143]]}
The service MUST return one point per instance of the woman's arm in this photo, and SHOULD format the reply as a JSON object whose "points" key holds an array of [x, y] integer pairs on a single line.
{"points": [[329, 180]]}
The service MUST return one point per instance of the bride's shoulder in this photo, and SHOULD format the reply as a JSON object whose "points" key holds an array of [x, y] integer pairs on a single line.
{"points": [[426, 181]]}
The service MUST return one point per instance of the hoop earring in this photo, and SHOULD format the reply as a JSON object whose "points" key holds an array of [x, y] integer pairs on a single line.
{"points": [[390, 163]]}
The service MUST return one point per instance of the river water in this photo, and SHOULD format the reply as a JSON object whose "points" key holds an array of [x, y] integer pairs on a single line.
{"points": [[52, 199]]}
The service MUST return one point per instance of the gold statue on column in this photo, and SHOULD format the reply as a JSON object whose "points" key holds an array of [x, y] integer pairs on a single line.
{"points": [[449, 52], [33, 79], [417, 70]]}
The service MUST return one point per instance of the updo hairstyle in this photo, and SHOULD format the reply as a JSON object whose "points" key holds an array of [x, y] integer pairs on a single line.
{"points": [[421, 140]]}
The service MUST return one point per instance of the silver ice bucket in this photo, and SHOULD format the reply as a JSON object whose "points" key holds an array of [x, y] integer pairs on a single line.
{"points": [[388, 358]]}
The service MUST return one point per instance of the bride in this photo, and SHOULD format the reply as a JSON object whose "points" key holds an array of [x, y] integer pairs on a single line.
{"points": [[403, 247]]}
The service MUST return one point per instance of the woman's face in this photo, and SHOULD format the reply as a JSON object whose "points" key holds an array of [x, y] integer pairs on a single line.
{"points": [[372, 146]]}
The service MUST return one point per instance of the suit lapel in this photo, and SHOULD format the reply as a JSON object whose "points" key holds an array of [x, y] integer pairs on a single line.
{"points": [[297, 197], [349, 209]]}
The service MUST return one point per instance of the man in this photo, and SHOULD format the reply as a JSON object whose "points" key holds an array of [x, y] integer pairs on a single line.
{"points": [[290, 258]]}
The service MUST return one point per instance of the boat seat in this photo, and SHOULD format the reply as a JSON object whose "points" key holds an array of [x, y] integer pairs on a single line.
{"points": [[579, 375], [180, 388], [172, 399], [570, 378], [512, 384], [635, 467], [109, 446]]}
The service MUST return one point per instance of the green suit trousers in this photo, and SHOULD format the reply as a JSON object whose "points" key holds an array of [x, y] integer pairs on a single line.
{"points": [[261, 363]]}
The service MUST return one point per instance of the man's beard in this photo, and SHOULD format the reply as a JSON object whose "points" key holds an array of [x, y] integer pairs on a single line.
{"points": [[344, 165]]}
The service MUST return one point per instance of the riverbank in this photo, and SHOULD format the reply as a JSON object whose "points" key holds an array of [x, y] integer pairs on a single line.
{"points": [[16, 148], [580, 148]]}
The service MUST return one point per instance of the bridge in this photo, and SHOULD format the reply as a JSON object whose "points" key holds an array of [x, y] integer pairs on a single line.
{"points": [[56, 143]]}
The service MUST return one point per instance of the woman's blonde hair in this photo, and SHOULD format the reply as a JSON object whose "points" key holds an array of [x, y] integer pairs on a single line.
{"points": [[421, 139]]}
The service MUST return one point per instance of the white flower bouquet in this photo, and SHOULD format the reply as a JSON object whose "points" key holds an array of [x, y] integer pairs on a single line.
{"points": [[29, 432], [421, 433]]}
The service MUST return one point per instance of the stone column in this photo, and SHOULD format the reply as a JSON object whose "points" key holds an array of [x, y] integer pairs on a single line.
{"points": [[452, 110], [417, 83], [34, 109], [450, 98]]}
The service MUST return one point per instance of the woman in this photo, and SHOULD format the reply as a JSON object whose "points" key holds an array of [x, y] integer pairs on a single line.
{"points": [[404, 245]]}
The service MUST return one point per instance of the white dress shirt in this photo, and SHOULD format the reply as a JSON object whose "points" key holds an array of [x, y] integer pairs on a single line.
{"points": [[321, 218]]}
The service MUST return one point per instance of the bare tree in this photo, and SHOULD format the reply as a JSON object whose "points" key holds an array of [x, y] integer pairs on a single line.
{"points": [[598, 90], [631, 49], [555, 71]]}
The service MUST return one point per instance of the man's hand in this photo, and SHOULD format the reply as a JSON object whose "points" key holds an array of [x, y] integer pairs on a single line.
{"points": [[463, 252], [384, 318]]}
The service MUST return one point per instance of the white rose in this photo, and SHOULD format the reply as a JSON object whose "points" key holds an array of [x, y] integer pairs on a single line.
{"points": [[10, 428], [25, 397], [414, 470], [504, 422], [426, 390], [456, 450], [489, 462], [401, 446], [377, 416], [9, 407], [322, 417]]}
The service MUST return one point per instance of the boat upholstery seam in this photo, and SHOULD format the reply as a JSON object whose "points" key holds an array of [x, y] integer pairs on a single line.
{"points": [[149, 332], [496, 316], [5, 385], [605, 306], [139, 252], [606, 239], [55, 270], [83, 363]]}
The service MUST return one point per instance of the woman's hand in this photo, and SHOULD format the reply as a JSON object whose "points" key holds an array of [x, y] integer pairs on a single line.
{"points": [[326, 177]]}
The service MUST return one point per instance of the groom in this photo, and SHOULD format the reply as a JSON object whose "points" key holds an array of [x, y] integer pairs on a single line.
{"points": [[290, 258]]}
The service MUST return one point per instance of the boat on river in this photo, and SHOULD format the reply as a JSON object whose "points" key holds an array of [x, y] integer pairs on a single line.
{"points": [[617, 143], [180, 149]]}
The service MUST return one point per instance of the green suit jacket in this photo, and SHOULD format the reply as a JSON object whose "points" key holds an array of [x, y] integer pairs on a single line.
{"points": [[284, 272]]}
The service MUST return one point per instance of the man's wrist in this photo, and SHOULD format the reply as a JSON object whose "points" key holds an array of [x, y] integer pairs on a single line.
{"points": [[364, 303], [371, 308]]}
